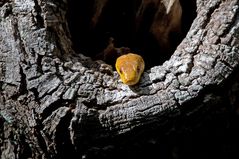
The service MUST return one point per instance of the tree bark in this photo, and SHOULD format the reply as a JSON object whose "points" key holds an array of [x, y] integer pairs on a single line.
{"points": [[55, 102]]}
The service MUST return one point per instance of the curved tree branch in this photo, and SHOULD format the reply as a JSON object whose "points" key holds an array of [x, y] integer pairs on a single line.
{"points": [[51, 96]]}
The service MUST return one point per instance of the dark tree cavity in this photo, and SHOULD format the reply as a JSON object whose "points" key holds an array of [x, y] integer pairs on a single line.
{"points": [[129, 23]]}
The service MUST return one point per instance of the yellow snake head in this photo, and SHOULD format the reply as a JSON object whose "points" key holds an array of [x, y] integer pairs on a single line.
{"points": [[130, 68]]}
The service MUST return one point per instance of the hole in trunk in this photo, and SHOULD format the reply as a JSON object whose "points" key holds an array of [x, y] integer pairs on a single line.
{"points": [[141, 26]]}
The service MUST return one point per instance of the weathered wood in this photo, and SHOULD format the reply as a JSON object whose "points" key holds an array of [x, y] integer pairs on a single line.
{"points": [[56, 102]]}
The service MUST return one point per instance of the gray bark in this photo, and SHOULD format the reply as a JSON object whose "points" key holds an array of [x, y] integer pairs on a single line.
{"points": [[55, 101]]}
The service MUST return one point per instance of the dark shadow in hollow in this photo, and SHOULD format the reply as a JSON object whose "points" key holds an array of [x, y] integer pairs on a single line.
{"points": [[117, 20]]}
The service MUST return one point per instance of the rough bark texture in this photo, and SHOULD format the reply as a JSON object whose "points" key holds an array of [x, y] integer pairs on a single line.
{"points": [[55, 103]]}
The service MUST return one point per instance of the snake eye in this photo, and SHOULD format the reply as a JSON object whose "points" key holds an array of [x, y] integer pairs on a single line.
{"points": [[120, 71], [138, 69]]}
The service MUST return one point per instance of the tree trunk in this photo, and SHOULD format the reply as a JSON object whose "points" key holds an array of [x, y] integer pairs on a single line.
{"points": [[56, 102]]}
